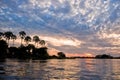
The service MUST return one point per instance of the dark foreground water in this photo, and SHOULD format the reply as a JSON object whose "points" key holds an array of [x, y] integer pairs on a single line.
{"points": [[55, 69]]}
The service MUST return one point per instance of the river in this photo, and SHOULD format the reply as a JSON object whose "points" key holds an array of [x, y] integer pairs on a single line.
{"points": [[60, 69]]}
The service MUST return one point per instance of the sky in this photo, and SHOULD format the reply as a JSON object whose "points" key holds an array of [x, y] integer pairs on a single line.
{"points": [[75, 27]]}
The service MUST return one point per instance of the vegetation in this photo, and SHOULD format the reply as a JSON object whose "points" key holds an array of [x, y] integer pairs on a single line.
{"points": [[27, 39], [3, 49], [36, 39], [61, 55], [7, 36], [22, 35], [38, 50], [104, 56], [13, 37], [24, 51]]}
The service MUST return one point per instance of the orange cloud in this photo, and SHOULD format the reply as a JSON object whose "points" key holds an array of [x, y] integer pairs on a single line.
{"points": [[79, 55], [52, 51]]}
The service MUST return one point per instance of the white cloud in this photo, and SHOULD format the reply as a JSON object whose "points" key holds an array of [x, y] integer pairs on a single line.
{"points": [[81, 19], [61, 41]]}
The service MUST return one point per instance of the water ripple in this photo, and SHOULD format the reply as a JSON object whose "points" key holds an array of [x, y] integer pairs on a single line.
{"points": [[68, 69]]}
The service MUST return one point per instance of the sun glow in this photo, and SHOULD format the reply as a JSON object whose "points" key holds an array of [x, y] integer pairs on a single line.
{"points": [[88, 55]]}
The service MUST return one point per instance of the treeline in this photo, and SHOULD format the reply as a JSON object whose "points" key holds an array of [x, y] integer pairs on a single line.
{"points": [[7, 36], [106, 56], [101, 56], [24, 51]]}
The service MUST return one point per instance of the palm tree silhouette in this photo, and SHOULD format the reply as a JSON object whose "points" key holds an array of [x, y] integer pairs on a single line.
{"points": [[30, 48], [22, 35], [8, 36], [13, 37], [42, 42], [36, 39], [27, 39]]}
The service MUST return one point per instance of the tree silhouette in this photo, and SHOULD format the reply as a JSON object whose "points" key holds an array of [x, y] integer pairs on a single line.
{"points": [[1, 35], [40, 53], [12, 52], [104, 56], [42, 42], [23, 53], [36, 39], [61, 55], [30, 48], [27, 39], [28, 51], [13, 37], [3, 49], [22, 35], [8, 36]]}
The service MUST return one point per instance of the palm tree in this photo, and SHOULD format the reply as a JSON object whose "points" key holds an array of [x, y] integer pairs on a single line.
{"points": [[13, 37], [36, 39], [8, 36], [30, 48], [27, 39], [1, 35], [22, 35], [42, 42]]}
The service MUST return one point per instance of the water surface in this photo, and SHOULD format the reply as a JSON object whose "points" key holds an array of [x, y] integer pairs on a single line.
{"points": [[60, 69]]}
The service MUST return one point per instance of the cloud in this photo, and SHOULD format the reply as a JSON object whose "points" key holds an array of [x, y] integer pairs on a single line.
{"points": [[76, 25], [62, 41]]}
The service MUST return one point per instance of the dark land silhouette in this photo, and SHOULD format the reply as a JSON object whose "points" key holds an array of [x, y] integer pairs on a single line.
{"points": [[24, 51], [102, 56], [32, 51]]}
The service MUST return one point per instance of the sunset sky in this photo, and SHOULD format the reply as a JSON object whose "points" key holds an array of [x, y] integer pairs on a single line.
{"points": [[71, 26]]}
